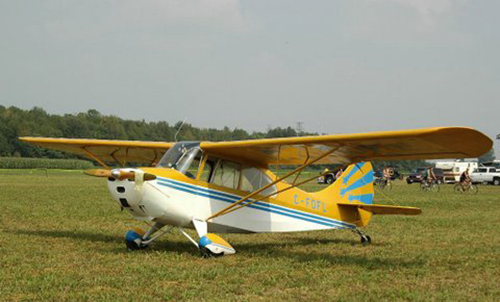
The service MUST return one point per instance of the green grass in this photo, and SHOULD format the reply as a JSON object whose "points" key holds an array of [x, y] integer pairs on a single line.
{"points": [[61, 238]]}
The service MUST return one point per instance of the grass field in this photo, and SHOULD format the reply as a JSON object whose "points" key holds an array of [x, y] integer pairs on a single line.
{"points": [[61, 238]]}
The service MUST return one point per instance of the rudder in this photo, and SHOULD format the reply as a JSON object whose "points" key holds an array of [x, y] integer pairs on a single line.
{"points": [[355, 186]]}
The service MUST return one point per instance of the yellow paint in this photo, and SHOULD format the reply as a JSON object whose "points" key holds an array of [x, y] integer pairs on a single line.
{"points": [[139, 231], [444, 142], [450, 142], [218, 240], [105, 150], [322, 203]]}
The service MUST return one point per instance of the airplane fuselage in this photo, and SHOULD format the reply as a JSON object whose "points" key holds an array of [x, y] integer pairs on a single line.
{"points": [[175, 199]]}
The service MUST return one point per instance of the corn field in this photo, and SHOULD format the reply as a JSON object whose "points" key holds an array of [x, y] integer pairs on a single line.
{"points": [[44, 163]]}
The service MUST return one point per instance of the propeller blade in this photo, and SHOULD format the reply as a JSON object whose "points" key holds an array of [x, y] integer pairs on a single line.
{"points": [[98, 172], [118, 174]]}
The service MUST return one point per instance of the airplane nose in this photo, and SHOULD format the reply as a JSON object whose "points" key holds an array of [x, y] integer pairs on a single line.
{"points": [[125, 192]]}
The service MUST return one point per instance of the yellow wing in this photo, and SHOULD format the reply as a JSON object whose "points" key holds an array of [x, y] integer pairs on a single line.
{"points": [[450, 142], [122, 152], [429, 143]]}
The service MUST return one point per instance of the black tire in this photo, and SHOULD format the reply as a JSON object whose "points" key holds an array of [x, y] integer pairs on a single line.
{"points": [[435, 187], [496, 181], [329, 179]]}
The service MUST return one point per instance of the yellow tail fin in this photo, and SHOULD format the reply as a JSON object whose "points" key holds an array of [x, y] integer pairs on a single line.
{"points": [[354, 186]]}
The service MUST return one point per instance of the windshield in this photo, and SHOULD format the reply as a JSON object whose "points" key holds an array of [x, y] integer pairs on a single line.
{"points": [[183, 157]]}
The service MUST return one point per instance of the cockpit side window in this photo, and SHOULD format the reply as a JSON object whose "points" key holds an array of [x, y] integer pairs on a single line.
{"points": [[189, 163], [184, 157]]}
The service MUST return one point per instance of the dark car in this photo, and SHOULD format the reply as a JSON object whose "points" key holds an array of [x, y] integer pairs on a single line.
{"points": [[328, 178], [417, 175]]}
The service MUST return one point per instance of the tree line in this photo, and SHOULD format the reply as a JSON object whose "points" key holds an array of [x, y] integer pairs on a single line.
{"points": [[15, 122]]}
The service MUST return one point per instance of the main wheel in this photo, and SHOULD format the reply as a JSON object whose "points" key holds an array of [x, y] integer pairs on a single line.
{"points": [[329, 179], [133, 240]]}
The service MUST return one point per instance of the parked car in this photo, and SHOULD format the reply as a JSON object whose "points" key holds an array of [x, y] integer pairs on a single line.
{"points": [[417, 175], [488, 175], [328, 178]]}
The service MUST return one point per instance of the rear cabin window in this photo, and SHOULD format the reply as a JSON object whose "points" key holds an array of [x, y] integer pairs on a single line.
{"points": [[253, 179], [482, 170], [232, 175]]}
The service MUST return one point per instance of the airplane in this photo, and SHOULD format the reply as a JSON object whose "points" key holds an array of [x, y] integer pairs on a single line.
{"points": [[227, 187]]}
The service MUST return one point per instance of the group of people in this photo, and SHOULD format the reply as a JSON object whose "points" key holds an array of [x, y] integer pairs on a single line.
{"points": [[428, 176]]}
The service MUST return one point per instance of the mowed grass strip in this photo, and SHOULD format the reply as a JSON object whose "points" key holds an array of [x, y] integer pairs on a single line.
{"points": [[61, 238]]}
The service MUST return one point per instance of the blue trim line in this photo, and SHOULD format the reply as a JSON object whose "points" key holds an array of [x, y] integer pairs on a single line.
{"points": [[354, 169], [365, 198], [257, 205], [262, 204], [365, 180]]}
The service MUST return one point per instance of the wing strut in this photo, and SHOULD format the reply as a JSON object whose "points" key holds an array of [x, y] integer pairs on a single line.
{"points": [[305, 165], [94, 157], [280, 191]]}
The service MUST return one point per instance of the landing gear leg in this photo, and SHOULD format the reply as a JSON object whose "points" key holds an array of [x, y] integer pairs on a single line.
{"points": [[365, 239], [136, 239]]}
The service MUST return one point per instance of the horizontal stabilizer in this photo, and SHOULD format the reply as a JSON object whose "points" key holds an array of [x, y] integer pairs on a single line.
{"points": [[379, 209]]}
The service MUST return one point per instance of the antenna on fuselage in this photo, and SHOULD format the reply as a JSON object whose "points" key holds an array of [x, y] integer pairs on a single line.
{"points": [[178, 130]]}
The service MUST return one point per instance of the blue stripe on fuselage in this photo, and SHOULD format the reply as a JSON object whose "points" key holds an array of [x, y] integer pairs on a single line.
{"points": [[257, 205]]}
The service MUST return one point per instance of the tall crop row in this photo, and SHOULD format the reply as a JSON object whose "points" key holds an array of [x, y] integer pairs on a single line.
{"points": [[44, 163]]}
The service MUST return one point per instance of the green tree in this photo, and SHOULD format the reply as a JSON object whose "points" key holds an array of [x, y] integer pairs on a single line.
{"points": [[487, 157]]}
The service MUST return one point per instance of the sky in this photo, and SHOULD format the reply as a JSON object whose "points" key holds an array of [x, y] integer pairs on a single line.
{"points": [[335, 66]]}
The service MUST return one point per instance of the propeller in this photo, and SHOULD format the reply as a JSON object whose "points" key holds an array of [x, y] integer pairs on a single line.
{"points": [[118, 174], [98, 172]]}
